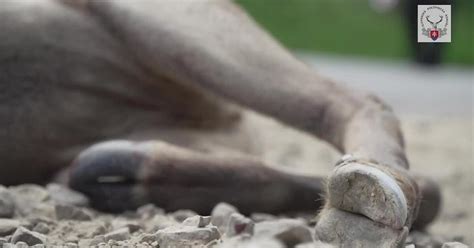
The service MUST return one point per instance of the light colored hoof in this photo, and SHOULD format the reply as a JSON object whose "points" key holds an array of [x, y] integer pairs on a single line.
{"points": [[344, 229], [369, 191]]}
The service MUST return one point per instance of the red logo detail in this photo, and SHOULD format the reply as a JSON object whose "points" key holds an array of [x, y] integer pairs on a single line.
{"points": [[434, 34]]}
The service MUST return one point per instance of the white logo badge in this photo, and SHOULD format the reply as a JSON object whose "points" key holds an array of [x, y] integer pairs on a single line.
{"points": [[434, 23]]}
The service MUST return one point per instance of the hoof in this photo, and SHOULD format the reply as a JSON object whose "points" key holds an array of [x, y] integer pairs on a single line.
{"points": [[107, 173], [367, 190], [344, 229]]}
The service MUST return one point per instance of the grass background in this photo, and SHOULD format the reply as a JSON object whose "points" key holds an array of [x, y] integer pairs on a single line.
{"points": [[351, 27]]}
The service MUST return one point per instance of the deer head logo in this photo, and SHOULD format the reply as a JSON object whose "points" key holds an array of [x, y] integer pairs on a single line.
{"points": [[434, 24]]}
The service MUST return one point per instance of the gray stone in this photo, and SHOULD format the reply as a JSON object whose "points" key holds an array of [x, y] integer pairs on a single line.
{"points": [[21, 244], [118, 235], [32, 200], [119, 222], [67, 212], [345, 229], [112, 243], [3, 241], [8, 226], [289, 231], [410, 246], [90, 229], [27, 236], [183, 214], [9, 245], [182, 236], [315, 244], [244, 241], [160, 222], [85, 242], [149, 211], [7, 203], [454, 245], [33, 221], [146, 237], [71, 245], [197, 221], [41, 227], [221, 214], [65, 196], [38, 246], [102, 245], [423, 239], [239, 224], [97, 240], [259, 217]]}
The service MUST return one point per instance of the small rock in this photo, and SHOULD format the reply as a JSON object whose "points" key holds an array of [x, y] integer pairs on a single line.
{"points": [[182, 236], [112, 243], [8, 226], [38, 246], [33, 221], [118, 223], [149, 211], [99, 239], [239, 224], [220, 215], [65, 196], [197, 221], [289, 231], [71, 245], [118, 235], [67, 212], [422, 239], [32, 200], [27, 236], [454, 245], [41, 228], [183, 214], [159, 222], [246, 242], [410, 246], [21, 244], [316, 244], [90, 229], [3, 241], [259, 217], [145, 237], [102, 245], [7, 204], [85, 243]]}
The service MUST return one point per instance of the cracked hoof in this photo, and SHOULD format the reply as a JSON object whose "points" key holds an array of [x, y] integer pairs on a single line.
{"points": [[345, 229], [369, 191]]}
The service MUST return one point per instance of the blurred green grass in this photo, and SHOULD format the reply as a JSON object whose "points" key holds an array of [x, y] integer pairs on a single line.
{"points": [[353, 28]]}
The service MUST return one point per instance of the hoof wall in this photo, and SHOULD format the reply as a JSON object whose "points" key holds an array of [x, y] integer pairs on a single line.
{"points": [[369, 191], [344, 229]]}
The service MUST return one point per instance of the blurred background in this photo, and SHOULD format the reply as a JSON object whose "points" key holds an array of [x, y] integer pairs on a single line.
{"points": [[371, 28], [367, 45]]}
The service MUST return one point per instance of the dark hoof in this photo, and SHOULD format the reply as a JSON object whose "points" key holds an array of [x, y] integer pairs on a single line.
{"points": [[430, 205], [107, 174]]}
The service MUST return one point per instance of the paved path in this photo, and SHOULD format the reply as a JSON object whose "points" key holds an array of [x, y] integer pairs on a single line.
{"points": [[409, 88]]}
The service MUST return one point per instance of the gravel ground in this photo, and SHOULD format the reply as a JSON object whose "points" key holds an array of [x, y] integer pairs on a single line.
{"points": [[32, 215]]}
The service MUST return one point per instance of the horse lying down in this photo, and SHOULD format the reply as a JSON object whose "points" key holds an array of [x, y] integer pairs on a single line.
{"points": [[133, 102]]}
